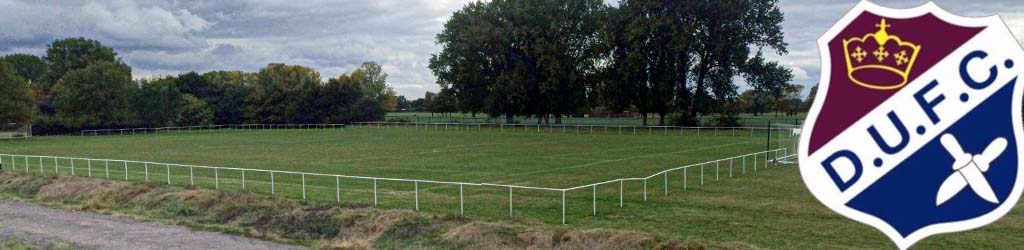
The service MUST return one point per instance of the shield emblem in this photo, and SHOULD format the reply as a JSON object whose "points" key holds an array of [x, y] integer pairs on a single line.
{"points": [[916, 127]]}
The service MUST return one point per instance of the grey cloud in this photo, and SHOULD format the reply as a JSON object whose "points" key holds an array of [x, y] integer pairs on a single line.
{"points": [[165, 37], [807, 20]]}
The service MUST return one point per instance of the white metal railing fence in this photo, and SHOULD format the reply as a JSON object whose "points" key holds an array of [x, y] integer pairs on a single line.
{"points": [[24, 163], [185, 129], [578, 129]]}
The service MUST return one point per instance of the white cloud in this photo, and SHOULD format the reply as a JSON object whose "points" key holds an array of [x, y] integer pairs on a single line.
{"points": [[162, 37]]}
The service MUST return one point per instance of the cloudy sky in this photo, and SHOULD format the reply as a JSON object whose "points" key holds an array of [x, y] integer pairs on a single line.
{"points": [[174, 36]]}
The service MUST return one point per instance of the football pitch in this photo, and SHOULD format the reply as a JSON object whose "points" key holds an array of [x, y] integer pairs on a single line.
{"points": [[768, 208]]}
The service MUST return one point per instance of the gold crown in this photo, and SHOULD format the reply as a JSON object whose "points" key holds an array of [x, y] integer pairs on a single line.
{"points": [[879, 60]]}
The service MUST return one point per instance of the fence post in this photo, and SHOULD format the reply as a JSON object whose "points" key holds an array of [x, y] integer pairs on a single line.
{"points": [[88, 162], [272, 183], [417, 184], [744, 165], [620, 192], [191, 176], [303, 186], [684, 177], [337, 188], [41, 171], [563, 207], [702, 174], [108, 168], [755, 162], [147, 171], [216, 178], [462, 202], [645, 189], [56, 167], [717, 166], [666, 183], [243, 179], [374, 192], [730, 166], [168, 166], [72, 167], [594, 202], [510, 202]]}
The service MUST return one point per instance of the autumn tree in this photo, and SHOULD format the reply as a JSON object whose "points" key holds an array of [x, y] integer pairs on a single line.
{"points": [[16, 103]]}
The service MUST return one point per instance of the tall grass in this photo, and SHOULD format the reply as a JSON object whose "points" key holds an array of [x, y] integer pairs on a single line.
{"points": [[321, 225]]}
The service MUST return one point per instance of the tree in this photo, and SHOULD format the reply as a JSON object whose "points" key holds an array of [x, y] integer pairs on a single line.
{"points": [[362, 95], [194, 112], [445, 102], [29, 67], [232, 88], [16, 102], [467, 63], [66, 55], [374, 90], [810, 98], [511, 57], [790, 103], [160, 102], [725, 32], [99, 95], [428, 101], [417, 105], [338, 100], [754, 101], [283, 94], [647, 43], [402, 104], [773, 80]]}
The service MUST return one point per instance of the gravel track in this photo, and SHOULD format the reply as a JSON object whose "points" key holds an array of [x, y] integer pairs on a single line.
{"points": [[96, 231]]}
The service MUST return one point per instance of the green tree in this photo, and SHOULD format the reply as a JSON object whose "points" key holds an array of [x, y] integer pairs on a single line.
{"points": [[338, 100], [284, 94], [232, 88], [16, 102], [160, 102], [726, 30], [790, 103], [361, 95], [194, 112], [511, 57], [773, 80], [754, 101], [647, 43], [810, 98], [66, 55], [428, 101], [99, 95], [402, 104], [445, 102], [29, 67], [465, 64], [417, 105]]}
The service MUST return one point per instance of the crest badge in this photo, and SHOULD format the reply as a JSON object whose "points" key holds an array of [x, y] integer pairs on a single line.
{"points": [[916, 127]]}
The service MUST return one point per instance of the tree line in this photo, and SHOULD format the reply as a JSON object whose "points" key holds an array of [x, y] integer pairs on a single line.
{"points": [[81, 84], [545, 58]]}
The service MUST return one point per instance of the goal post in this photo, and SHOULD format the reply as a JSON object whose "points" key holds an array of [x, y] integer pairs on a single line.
{"points": [[786, 137], [15, 131]]}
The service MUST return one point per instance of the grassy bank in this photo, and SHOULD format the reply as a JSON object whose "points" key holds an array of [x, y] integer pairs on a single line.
{"points": [[18, 243], [322, 226]]}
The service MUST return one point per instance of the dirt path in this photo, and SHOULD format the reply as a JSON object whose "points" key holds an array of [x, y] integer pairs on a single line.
{"points": [[97, 231]]}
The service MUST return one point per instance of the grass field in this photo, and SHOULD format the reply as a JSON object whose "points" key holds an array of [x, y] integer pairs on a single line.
{"points": [[770, 208]]}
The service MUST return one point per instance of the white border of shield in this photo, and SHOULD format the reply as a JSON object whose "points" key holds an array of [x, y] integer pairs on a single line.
{"points": [[826, 61]]}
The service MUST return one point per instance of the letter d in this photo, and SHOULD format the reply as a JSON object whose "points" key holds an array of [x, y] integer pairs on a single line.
{"points": [[854, 161]]}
